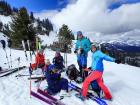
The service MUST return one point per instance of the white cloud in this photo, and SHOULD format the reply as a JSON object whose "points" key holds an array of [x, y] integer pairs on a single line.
{"points": [[93, 15], [46, 14]]}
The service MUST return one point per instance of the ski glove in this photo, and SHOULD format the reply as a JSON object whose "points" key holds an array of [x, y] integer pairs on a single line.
{"points": [[118, 61], [75, 51], [82, 51], [89, 68], [84, 66]]}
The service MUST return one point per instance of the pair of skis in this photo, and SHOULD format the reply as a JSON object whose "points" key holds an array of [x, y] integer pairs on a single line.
{"points": [[25, 50], [8, 72], [90, 95], [44, 96]]}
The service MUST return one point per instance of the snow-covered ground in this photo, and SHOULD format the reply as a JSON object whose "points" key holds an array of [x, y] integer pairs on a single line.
{"points": [[122, 80]]}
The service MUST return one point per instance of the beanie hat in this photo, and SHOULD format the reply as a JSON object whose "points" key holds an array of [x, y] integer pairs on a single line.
{"points": [[79, 33]]}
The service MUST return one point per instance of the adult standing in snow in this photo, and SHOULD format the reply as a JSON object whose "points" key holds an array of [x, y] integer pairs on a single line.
{"points": [[97, 71], [3, 44], [81, 49], [9, 43]]}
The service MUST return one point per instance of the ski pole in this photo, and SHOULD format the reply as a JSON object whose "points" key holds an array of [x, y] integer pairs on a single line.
{"points": [[30, 72], [18, 64], [7, 58], [29, 49], [23, 44], [10, 58]]}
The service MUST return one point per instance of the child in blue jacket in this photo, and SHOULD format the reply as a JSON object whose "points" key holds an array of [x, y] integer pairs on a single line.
{"points": [[54, 80], [97, 71]]}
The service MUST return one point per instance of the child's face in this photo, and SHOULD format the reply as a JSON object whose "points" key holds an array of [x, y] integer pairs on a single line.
{"points": [[93, 48]]}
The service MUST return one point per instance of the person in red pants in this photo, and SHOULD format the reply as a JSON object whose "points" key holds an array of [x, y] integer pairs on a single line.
{"points": [[97, 72], [39, 60]]}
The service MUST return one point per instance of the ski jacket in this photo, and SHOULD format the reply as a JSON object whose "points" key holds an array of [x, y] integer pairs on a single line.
{"points": [[52, 79], [40, 59], [97, 60], [83, 43], [58, 62]]}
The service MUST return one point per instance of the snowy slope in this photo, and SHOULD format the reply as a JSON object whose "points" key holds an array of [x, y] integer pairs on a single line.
{"points": [[5, 19], [47, 40], [122, 81]]}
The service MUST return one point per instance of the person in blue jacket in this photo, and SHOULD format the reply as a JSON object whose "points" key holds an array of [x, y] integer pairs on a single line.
{"points": [[81, 49], [97, 71], [54, 80]]}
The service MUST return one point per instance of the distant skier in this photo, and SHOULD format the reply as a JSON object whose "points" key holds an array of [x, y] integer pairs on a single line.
{"points": [[97, 71], [81, 49], [58, 61], [55, 82], [3, 44], [39, 60], [9, 43]]}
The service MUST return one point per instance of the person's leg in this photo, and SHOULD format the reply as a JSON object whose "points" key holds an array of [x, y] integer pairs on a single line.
{"points": [[93, 76], [104, 88], [84, 65], [80, 66], [64, 84]]}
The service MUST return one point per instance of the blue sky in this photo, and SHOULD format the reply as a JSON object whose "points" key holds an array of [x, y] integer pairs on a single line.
{"points": [[118, 3], [39, 5]]}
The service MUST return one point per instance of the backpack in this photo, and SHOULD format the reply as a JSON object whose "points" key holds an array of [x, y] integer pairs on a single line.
{"points": [[72, 72]]}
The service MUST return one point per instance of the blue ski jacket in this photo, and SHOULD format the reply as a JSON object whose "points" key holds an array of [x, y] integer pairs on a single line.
{"points": [[97, 60]]}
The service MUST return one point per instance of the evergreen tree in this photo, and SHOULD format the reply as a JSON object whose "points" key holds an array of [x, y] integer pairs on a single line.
{"points": [[5, 8], [21, 27], [15, 9], [32, 17], [6, 30], [1, 26], [48, 26], [65, 33]]}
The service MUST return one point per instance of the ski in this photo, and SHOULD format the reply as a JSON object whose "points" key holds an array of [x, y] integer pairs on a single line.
{"points": [[23, 44], [39, 80], [12, 71], [90, 95], [55, 101], [36, 78], [29, 47], [48, 101]]}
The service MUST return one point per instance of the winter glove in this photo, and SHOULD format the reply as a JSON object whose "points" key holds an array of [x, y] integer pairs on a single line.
{"points": [[75, 51], [59, 77], [89, 68], [84, 66], [82, 51], [118, 61]]}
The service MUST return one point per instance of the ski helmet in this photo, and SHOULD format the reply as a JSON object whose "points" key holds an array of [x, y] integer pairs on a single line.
{"points": [[95, 44]]}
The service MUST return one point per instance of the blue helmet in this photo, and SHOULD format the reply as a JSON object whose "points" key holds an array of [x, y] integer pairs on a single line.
{"points": [[52, 67]]}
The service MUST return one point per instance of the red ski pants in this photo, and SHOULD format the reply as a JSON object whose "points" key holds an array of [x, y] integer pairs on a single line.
{"points": [[95, 75]]}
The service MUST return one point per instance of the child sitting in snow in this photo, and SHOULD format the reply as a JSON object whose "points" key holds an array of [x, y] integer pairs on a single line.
{"points": [[39, 60], [55, 82]]}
